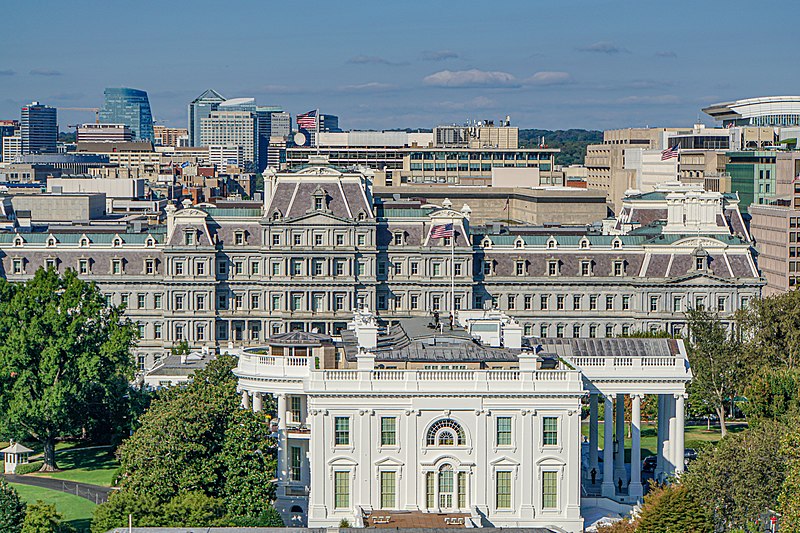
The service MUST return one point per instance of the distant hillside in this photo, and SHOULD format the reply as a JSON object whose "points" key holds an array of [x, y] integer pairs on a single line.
{"points": [[572, 142]]}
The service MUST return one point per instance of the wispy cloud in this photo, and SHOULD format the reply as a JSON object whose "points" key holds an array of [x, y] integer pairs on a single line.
{"points": [[669, 54], [661, 99], [7, 72], [372, 86], [439, 55], [547, 77], [603, 47], [471, 78], [375, 60], [44, 72]]}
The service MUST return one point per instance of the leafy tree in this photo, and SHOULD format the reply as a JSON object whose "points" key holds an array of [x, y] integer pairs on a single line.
{"points": [[194, 509], [146, 510], [773, 394], [65, 359], [673, 509], [182, 348], [773, 325], [719, 362], [12, 509], [789, 498], [44, 518], [741, 477]]}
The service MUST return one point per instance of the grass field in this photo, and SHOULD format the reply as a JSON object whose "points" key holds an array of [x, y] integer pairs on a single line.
{"points": [[75, 510], [695, 436], [95, 466]]}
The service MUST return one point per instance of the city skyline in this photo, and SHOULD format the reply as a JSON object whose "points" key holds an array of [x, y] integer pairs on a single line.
{"points": [[595, 65]]}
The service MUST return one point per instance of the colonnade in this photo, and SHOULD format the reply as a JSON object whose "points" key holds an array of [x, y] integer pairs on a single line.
{"points": [[615, 478], [283, 438]]}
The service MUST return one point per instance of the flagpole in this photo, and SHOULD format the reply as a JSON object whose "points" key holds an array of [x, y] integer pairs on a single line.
{"points": [[453, 275], [316, 139]]}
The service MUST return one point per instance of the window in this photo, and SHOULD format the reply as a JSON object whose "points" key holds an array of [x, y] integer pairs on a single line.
{"points": [[552, 268], [430, 490], [512, 301], [462, 490], [238, 268], [504, 489], [626, 329], [140, 301], [592, 331], [527, 302], [504, 431], [576, 302], [445, 432], [341, 490], [83, 266], [446, 487], [414, 301], [609, 303], [276, 239], [700, 263], [654, 303], [316, 267], [388, 490], [609, 330], [317, 203], [550, 431], [222, 268], [382, 268], [200, 332], [549, 490], [677, 302], [189, 238], [298, 239], [626, 303], [255, 301], [487, 268], [179, 268], [276, 302], [362, 268], [543, 330], [560, 331], [318, 239], [254, 268], [544, 301], [201, 269], [721, 303], [116, 266], [520, 268], [437, 269], [619, 268], [361, 240], [338, 267], [388, 431], [157, 331], [593, 302], [157, 301], [457, 269], [338, 302], [123, 300], [342, 431], [222, 301], [297, 266], [339, 239], [178, 332], [150, 266], [238, 238], [560, 302], [586, 268], [296, 408], [398, 238], [296, 463], [576, 331], [179, 302], [238, 301], [699, 303]]}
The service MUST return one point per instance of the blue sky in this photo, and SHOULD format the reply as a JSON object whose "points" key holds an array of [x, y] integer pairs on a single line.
{"points": [[378, 64]]}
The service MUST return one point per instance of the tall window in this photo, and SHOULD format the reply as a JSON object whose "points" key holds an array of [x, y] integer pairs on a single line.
{"points": [[388, 490], [296, 462], [504, 490], [388, 431], [341, 490], [446, 487], [296, 409], [550, 430], [504, 431], [430, 490], [342, 431], [462, 490], [549, 490]]}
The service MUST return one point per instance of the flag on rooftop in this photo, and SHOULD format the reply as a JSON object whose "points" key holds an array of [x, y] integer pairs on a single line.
{"points": [[669, 153], [441, 231], [308, 120]]}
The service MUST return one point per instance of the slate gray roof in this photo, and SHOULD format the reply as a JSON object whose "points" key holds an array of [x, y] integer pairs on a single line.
{"points": [[610, 346]]}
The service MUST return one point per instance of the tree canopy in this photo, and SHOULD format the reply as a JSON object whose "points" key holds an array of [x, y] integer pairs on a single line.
{"points": [[65, 361], [196, 457], [12, 509]]}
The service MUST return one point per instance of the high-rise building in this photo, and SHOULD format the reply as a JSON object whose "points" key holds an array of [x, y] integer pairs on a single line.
{"points": [[8, 128], [200, 108], [165, 136], [130, 107], [237, 128], [12, 147], [38, 129], [103, 133], [281, 124]]}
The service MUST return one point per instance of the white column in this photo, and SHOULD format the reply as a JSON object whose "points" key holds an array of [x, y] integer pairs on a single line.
{"points": [[670, 446], [245, 400], [635, 488], [283, 441], [593, 433], [660, 439], [619, 460], [608, 449], [679, 427], [257, 403]]}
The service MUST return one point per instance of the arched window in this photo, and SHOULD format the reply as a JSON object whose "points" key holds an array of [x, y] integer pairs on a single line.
{"points": [[446, 432], [446, 486]]}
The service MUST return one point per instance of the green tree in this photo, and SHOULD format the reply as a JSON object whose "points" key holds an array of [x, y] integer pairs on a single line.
{"points": [[12, 509], [44, 518], [789, 498], [194, 509], [773, 325], [719, 363], [65, 360], [773, 394], [741, 477], [673, 509]]}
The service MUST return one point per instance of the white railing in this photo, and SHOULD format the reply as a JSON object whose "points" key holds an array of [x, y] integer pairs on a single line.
{"points": [[593, 366]]}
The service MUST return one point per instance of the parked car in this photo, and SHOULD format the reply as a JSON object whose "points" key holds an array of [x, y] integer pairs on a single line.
{"points": [[649, 463], [689, 454]]}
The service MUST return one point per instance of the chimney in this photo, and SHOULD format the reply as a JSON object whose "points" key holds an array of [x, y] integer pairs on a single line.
{"points": [[365, 360]]}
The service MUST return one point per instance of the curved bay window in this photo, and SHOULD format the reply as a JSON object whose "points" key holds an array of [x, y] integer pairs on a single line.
{"points": [[446, 432]]}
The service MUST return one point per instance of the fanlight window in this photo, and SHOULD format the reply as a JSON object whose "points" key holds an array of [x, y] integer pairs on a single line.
{"points": [[446, 432]]}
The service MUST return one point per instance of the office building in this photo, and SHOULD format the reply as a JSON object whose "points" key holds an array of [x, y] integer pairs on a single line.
{"points": [[223, 156], [322, 246], [103, 133], [768, 111], [280, 124], [237, 128], [200, 108], [38, 129], [360, 439], [12, 147], [174, 137], [130, 107], [479, 134], [753, 176], [8, 128]]}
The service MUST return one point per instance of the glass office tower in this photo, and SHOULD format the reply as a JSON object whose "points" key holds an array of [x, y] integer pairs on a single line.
{"points": [[200, 108], [130, 107]]}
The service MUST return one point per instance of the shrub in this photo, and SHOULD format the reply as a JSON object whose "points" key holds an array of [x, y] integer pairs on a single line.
{"points": [[29, 468], [12, 509]]}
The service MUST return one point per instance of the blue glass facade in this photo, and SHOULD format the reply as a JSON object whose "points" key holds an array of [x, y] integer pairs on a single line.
{"points": [[130, 107]]}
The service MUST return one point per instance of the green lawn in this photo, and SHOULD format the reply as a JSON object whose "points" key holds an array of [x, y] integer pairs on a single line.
{"points": [[74, 509], [695, 436], [96, 466]]}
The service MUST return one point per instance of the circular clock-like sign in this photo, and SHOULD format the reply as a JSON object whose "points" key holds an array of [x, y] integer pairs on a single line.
{"points": [[299, 139]]}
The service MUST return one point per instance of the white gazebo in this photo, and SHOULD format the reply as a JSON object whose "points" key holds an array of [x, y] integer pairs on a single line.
{"points": [[15, 455]]}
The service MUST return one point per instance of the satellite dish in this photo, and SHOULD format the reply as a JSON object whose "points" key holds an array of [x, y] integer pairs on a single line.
{"points": [[299, 139]]}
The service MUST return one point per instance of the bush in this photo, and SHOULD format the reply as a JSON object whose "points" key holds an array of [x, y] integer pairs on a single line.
{"points": [[29, 468], [44, 518], [12, 509], [344, 523]]}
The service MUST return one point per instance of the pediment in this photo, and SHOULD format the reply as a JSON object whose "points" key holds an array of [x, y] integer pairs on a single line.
{"points": [[504, 461], [699, 278], [701, 242], [389, 461], [316, 218]]}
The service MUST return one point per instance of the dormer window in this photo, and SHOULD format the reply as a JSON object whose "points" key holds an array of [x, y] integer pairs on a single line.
{"points": [[619, 268], [276, 216], [586, 268], [552, 267], [318, 201], [150, 242], [700, 263], [189, 238], [519, 244], [551, 244], [487, 243], [238, 238], [584, 244], [320, 197], [617, 244], [17, 241], [51, 241], [362, 216], [84, 242], [398, 238], [519, 268], [117, 242]]}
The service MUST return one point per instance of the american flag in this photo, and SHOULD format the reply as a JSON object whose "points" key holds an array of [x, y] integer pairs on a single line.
{"points": [[669, 153], [441, 231], [307, 121]]}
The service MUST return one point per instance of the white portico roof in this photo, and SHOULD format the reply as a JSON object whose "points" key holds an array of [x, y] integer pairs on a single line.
{"points": [[17, 448]]}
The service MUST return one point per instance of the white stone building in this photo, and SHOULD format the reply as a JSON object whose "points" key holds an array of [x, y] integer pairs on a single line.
{"points": [[474, 426]]}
